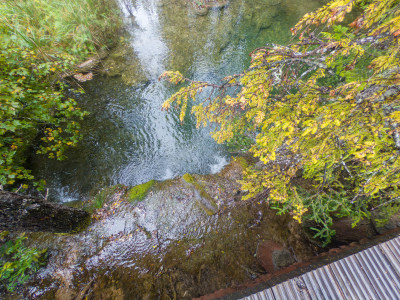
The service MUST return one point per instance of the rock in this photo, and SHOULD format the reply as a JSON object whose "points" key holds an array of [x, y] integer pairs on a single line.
{"points": [[263, 18], [282, 258], [346, 234], [108, 293], [166, 246], [202, 11], [64, 293], [386, 218], [25, 213], [272, 256], [123, 62]]}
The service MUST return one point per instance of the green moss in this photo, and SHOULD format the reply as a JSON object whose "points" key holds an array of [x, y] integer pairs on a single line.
{"points": [[101, 198], [83, 225], [208, 211], [242, 162], [188, 178], [384, 214], [137, 193], [75, 204]]}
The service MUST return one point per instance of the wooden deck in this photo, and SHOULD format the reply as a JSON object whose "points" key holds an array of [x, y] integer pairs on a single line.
{"points": [[373, 273]]}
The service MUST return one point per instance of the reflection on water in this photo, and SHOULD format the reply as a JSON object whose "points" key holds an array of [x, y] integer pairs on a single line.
{"points": [[127, 138]]}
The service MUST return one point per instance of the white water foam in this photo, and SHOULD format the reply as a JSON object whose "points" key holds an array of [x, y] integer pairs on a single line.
{"points": [[147, 38], [221, 162], [168, 174]]}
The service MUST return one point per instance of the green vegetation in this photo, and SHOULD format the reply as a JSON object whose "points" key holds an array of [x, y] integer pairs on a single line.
{"points": [[242, 161], [239, 143], [384, 214], [325, 108], [41, 42], [101, 198], [137, 193], [18, 262]]}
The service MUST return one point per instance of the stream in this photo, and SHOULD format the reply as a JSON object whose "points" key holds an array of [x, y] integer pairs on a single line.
{"points": [[127, 138], [178, 236]]}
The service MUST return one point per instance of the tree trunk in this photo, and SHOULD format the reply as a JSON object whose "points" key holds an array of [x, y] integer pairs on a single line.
{"points": [[25, 213]]}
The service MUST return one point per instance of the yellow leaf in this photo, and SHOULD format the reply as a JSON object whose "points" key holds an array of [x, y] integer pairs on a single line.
{"points": [[314, 130], [307, 131]]}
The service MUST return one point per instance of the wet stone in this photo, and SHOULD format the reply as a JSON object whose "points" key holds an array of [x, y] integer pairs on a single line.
{"points": [[165, 243]]}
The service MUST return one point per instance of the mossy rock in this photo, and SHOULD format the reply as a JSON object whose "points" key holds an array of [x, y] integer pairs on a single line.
{"points": [[188, 178], [242, 162], [139, 192], [83, 225], [206, 202], [103, 196]]}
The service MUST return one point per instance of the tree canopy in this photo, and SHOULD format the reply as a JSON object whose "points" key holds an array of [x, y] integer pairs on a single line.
{"points": [[324, 107]]}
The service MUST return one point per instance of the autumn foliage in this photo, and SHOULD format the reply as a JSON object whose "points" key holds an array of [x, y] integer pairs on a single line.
{"points": [[324, 108]]}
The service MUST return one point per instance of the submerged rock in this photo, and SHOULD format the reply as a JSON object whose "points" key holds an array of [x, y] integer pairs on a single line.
{"points": [[122, 61], [201, 8], [166, 242]]}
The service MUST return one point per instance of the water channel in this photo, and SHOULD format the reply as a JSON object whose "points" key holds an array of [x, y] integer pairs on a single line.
{"points": [[127, 138]]}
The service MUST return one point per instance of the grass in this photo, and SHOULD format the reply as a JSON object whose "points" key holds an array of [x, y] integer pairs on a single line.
{"points": [[41, 41], [57, 28], [103, 196]]}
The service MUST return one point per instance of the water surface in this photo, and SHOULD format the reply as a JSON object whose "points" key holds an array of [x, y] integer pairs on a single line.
{"points": [[128, 139]]}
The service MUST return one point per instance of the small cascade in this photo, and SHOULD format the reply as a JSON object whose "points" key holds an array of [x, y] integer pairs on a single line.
{"points": [[142, 21]]}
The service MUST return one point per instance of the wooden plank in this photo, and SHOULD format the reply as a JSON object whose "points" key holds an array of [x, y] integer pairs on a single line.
{"points": [[269, 295], [321, 283], [299, 288], [277, 293], [355, 280], [372, 273], [396, 242], [291, 290], [387, 279], [333, 289], [315, 290], [286, 293]]}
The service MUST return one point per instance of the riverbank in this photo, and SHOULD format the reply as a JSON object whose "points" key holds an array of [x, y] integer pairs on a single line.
{"points": [[41, 42]]}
